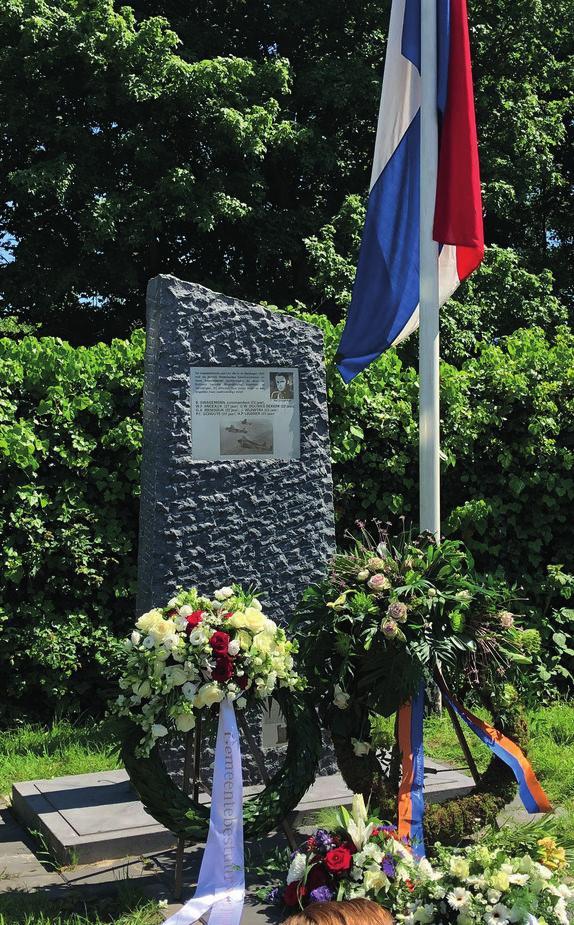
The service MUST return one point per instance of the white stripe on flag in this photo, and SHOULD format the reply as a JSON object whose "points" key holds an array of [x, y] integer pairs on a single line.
{"points": [[400, 97]]}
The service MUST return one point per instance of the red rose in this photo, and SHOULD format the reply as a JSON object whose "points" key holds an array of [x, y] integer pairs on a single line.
{"points": [[316, 877], [220, 642], [338, 860], [409, 885], [193, 619], [223, 668], [242, 682], [293, 893], [228, 615]]}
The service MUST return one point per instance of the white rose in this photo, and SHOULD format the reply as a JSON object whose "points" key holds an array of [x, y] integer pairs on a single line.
{"points": [[222, 594], [208, 694], [250, 619], [233, 647], [189, 690], [142, 689], [340, 698], [198, 636], [176, 674], [264, 642], [149, 642], [270, 627], [257, 604], [158, 730], [136, 638], [297, 868], [185, 611], [241, 703], [172, 604], [148, 620], [185, 722]]}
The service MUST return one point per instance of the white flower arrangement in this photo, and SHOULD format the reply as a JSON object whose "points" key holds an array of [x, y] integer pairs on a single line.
{"points": [[486, 886], [196, 652]]}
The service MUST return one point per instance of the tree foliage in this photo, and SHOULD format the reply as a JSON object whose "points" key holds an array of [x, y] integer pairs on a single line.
{"points": [[231, 143]]}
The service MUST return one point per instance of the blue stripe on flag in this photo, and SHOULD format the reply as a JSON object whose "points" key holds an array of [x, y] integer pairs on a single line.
{"points": [[443, 42], [417, 793], [386, 290], [411, 38]]}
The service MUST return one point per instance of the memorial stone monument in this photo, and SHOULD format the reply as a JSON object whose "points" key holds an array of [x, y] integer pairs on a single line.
{"points": [[236, 474]]}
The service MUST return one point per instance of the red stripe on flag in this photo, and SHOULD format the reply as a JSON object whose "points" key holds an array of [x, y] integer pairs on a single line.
{"points": [[458, 212], [467, 260]]}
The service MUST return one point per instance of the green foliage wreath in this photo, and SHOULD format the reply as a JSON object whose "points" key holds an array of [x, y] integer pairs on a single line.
{"points": [[179, 813], [388, 615]]}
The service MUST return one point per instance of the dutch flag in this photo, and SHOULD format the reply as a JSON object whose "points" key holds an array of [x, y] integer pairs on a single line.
{"points": [[384, 307]]}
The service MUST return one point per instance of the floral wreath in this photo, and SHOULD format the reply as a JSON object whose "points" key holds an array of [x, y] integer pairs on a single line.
{"points": [[390, 614], [186, 658]]}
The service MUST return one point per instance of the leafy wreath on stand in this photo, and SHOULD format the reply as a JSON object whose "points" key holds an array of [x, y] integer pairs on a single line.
{"points": [[389, 614], [181, 662]]}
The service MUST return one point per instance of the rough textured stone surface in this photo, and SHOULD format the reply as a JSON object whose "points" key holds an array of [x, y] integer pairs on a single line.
{"points": [[263, 522], [206, 523]]}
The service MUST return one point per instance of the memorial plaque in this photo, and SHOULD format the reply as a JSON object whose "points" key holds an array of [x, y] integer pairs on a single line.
{"points": [[244, 413]]}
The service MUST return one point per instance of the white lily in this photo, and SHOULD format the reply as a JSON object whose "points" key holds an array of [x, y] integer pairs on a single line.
{"points": [[357, 826]]}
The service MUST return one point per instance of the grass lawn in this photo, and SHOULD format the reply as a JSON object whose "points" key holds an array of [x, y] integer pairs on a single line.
{"points": [[128, 908], [551, 748], [32, 752]]}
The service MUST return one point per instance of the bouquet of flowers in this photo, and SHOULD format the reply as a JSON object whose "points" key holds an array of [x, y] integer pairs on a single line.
{"points": [[479, 885], [359, 857], [196, 651]]}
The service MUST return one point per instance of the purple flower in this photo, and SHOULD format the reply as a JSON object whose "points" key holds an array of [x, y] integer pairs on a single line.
{"points": [[321, 895], [274, 896], [388, 866], [323, 840]]}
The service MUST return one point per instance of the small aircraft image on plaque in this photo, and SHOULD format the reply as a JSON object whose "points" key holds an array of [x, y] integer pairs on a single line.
{"points": [[246, 437]]}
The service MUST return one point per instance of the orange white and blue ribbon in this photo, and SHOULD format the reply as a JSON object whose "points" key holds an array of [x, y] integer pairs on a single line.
{"points": [[529, 788], [411, 790]]}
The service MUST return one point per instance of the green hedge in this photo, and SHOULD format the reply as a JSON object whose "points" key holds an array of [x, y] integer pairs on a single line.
{"points": [[70, 434], [70, 437]]}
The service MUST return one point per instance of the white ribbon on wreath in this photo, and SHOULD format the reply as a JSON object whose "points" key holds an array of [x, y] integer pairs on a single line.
{"points": [[221, 881]]}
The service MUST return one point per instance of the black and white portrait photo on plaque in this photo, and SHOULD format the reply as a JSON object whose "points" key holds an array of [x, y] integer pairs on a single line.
{"points": [[281, 386]]}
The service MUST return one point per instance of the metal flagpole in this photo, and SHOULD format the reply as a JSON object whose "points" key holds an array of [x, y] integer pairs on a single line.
{"points": [[429, 404]]}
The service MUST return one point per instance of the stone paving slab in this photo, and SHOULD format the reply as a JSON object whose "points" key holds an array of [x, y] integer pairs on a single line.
{"points": [[88, 818]]}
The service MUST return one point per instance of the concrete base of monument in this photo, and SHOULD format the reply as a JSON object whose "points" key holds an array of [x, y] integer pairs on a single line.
{"points": [[88, 818]]}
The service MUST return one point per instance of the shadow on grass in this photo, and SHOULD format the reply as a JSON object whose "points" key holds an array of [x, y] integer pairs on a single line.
{"points": [[47, 906]]}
